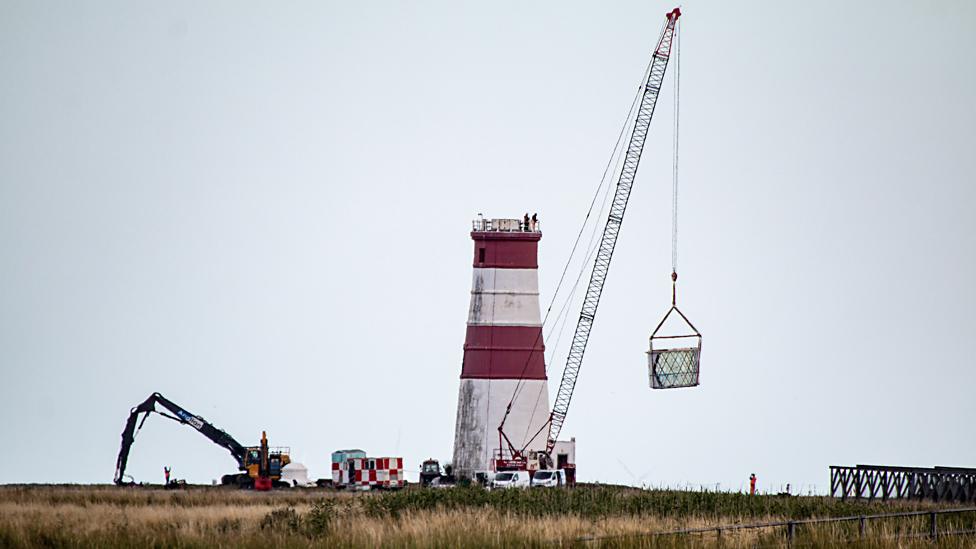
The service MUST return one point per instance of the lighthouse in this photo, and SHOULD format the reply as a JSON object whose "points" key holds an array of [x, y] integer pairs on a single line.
{"points": [[503, 347]]}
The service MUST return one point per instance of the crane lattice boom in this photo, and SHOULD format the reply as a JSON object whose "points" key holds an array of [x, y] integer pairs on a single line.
{"points": [[618, 207]]}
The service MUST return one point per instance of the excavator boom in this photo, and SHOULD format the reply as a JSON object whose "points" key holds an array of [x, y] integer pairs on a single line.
{"points": [[133, 424]]}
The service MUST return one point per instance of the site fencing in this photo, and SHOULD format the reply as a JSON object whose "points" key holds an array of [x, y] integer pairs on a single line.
{"points": [[790, 528]]}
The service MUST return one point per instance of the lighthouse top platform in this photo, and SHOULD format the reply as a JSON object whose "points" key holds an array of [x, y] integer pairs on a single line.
{"points": [[482, 225], [507, 244]]}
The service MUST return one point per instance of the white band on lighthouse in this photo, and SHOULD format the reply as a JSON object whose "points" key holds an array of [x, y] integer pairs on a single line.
{"points": [[505, 297], [481, 406], [514, 281]]}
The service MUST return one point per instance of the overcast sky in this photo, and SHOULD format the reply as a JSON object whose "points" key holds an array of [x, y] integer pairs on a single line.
{"points": [[262, 211]]}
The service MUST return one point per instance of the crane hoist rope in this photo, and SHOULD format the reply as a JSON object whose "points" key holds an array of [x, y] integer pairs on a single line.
{"points": [[674, 190], [604, 253], [676, 364]]}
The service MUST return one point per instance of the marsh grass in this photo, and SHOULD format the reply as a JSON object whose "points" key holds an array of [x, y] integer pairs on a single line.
{"points": [[51, 516]]}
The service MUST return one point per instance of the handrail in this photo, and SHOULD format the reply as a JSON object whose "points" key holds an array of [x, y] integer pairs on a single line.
{"points": [[506, 225]]}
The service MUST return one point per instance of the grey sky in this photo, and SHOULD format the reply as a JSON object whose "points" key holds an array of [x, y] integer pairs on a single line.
{"points": [[261, 211]]}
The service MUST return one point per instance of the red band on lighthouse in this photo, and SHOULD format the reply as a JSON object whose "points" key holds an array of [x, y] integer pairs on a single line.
{"points": [[506, 250], [504, 352]]}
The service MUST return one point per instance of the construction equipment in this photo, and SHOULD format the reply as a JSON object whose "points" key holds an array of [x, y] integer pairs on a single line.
{"points": [[430, 474], [261, 465], [518, 458]]}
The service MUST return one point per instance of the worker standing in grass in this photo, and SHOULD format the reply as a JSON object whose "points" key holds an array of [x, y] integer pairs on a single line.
{"points": [[166, 471], [752, 484]]}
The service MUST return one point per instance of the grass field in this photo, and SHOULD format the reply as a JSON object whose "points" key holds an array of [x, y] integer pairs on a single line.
{"points": [[102, 516]]}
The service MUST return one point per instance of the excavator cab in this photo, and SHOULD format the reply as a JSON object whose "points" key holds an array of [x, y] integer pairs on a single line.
{"points": [[264, 464]]}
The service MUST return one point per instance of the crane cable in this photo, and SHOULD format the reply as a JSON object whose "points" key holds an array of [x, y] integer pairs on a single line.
{"points": [[519, 384], [616, 158], [612, 162], [674, 216], [674, 191]]}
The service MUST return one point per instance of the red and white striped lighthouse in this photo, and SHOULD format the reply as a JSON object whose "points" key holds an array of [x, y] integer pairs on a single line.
{"points": [[503, 345]]}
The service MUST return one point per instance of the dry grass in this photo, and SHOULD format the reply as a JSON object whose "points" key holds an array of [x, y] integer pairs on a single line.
{"points": [[208, 517]]}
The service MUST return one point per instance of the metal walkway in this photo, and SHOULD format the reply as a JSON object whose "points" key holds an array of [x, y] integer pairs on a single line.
{"points": [[913, 483]]}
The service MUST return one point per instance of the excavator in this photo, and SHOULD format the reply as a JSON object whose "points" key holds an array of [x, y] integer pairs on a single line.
{"points": [[260, 465]]}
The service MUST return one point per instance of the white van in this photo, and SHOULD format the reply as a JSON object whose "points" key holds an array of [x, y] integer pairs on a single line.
{"points": [[511, 479], [549, 478]]}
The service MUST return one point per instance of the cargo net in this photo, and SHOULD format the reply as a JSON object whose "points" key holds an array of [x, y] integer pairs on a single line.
{"points": [[673, 368]]}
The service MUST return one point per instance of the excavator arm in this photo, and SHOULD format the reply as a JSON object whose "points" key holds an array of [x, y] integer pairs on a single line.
{"points": [[133, 424]]}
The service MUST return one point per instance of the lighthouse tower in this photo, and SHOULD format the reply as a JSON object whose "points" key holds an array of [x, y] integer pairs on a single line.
{"points": [[503, 345]]}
